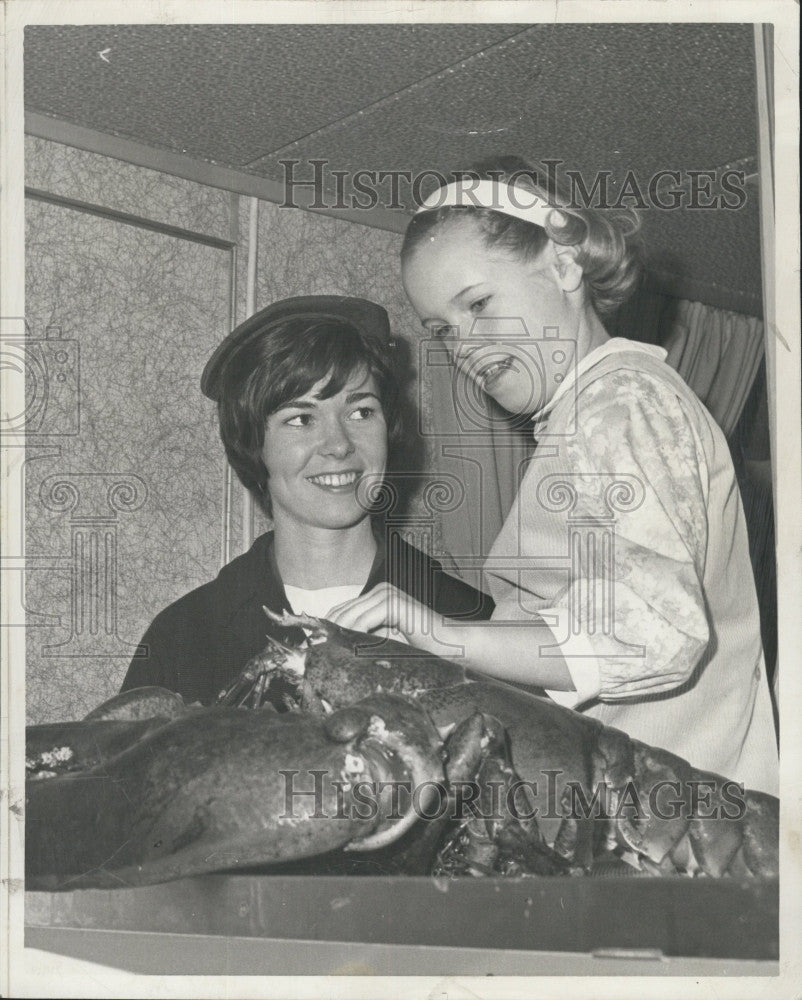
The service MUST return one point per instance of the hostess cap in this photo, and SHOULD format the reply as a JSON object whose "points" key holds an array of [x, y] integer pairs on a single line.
{"points": [[370, 319]]}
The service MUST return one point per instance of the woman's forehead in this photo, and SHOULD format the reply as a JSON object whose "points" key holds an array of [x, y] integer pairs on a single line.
{"points": [[454, 229], [359, 379], [456, 248]]}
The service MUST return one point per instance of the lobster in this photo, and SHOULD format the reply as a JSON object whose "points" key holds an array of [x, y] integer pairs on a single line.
{"points": [[347, 743]]}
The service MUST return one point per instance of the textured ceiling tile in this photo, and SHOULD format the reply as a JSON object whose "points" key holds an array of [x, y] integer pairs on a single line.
{"points": [[231, 93], [641, 97], [599, 97]]}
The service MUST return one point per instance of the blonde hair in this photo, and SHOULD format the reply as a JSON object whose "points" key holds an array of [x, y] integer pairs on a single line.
{"points": [[609, 247]]}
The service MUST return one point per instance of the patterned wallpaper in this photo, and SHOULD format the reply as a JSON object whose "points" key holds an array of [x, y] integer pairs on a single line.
{"points": [[75, 173], [124, 483], [131, 502]]}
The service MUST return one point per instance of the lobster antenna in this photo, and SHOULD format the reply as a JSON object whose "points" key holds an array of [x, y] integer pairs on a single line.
{"points": [[286, 650], [289, 620]]}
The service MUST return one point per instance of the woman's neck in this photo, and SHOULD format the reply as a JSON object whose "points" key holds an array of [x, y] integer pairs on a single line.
{"points": [[312, 558], [592, 334]]}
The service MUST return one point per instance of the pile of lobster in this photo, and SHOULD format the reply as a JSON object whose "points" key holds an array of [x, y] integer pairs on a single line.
{"points": [[349, 744]]}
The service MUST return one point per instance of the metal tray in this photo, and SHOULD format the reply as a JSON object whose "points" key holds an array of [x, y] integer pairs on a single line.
{"points": [[630, 920]]}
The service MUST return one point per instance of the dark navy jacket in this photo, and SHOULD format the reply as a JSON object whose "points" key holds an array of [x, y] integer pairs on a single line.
{"points": [[199, 644]]}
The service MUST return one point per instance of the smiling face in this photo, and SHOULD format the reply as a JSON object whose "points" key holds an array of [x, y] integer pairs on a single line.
{"points": [[316, 450], [497, 305]]}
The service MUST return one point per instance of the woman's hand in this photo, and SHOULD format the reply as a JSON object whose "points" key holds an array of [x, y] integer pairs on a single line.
{"points": [[509, 650], [388, 607]]}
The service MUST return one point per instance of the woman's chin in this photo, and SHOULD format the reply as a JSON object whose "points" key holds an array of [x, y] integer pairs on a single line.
{"points": [[516, 403], [338, 520]]}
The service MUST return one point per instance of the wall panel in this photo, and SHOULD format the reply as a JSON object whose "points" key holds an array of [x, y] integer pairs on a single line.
{"points": [[123, 511], [75, 173], [124, 481]]}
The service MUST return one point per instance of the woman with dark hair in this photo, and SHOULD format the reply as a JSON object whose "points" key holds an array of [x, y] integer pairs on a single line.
{"points": [[311, 417], [622, 573]]}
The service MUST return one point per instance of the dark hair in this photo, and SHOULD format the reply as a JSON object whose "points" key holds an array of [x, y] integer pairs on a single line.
{"points": [[608, 241], [282, 363]]}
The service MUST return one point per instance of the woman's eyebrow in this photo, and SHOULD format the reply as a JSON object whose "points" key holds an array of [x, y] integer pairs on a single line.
{"points": [[297, 404], [427, 321], [465, 291], [354, 397]]}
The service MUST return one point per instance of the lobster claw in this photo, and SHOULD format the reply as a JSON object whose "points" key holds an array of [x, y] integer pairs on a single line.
{"points": [[403, 749], [251, 684]]}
